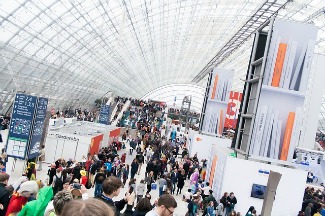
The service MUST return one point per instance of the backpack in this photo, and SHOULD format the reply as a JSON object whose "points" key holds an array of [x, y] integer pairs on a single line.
{"points": [[58, 185]]}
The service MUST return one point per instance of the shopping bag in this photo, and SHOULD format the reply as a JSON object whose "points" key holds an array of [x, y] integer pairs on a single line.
{"points": [[153, 186]]}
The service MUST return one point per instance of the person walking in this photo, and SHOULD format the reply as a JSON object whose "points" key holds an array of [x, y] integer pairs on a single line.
{"points": [[193, 206], [4, 193], [162, 185], [231, 202], [150, 180], [99, 179], [140, 190], [140, 159], [181, 182], [134, 168], [174, 179], [41, 158]]}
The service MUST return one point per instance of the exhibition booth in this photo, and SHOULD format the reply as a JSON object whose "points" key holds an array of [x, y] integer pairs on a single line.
{"points": [[77, 140], [248, 180], [70, 146], [277, 122]]}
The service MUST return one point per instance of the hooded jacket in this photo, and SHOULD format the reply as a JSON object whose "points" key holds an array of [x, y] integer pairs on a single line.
{"points": [[37, 207]]}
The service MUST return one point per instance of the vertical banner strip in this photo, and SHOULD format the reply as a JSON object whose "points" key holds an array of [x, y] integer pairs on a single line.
{"points": [[215, 83], [38, 127]]}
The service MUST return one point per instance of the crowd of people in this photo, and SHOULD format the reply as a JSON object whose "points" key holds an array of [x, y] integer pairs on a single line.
{"points": [[167, 166], [143, 112], [313, 202], [81, 115]]}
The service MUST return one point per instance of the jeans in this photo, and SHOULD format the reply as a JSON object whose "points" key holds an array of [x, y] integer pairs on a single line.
{"points": [[139, 197], [139, 169], [229, 209], [161, 192], [173, 188], [39, 165], [98, 189]]}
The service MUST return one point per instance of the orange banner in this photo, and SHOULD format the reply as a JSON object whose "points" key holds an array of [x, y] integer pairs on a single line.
{"points": [[233, 109], [213, 168], [95, 144]]}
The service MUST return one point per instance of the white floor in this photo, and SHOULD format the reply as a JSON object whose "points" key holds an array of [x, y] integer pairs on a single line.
{"points": [[42, 175]]}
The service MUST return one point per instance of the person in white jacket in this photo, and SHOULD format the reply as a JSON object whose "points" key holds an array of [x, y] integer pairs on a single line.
{"points": [[140, 190]]}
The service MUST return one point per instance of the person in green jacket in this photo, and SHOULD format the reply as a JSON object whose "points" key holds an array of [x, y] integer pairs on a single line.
{"points": [[37, 207]]}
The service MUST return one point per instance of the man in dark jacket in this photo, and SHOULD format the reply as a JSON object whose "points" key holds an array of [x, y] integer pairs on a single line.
{"points": [[231, 202], [111, 188], [4, 193], [173, 179], [140, 159], [149, 168]]}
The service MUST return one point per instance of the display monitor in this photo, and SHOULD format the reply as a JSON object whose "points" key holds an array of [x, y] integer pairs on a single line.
{"points": [[258, 191]]}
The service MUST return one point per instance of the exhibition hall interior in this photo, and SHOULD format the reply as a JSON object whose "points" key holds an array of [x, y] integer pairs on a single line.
{"points": [[162, 107]]}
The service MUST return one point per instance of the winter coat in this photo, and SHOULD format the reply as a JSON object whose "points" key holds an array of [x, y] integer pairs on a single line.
{"points": [[37, 207]]}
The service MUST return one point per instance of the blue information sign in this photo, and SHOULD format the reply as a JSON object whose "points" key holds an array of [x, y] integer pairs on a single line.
{"points": [[21, 125], [104, 114], [38, 127]]}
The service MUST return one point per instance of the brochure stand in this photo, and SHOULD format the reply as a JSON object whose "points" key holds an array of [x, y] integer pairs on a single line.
{"points": [[274, 98]]}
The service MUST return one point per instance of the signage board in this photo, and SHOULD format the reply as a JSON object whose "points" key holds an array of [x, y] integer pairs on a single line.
{"points": [[21, 125], [104, 114], [38, 127]]}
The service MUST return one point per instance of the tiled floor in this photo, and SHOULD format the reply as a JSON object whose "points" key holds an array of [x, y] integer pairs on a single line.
{"points": [[180, 210]]}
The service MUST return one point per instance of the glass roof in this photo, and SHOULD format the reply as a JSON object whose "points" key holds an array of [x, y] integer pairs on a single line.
{"points": [[173, 95], [74, 51]]}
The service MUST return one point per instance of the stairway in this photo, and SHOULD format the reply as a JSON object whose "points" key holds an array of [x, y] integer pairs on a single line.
{"points": [[120, 115]]}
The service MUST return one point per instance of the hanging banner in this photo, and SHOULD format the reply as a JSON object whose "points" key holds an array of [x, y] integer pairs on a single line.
{"points": [[21, 125], [95, 144], [38, 127], [104, 114], [233, 109]]}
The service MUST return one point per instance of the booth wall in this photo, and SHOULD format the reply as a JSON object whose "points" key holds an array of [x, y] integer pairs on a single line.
{"points": [[219, 167], [113, 134], [63, 145], [240, 175], [201, 144]]}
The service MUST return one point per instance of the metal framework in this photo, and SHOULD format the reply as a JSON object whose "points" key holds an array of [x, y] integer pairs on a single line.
{"points": [[265, 12], [75, 51]]}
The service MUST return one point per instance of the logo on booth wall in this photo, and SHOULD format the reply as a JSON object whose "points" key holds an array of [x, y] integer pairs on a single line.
{"points": [[59, 136], [263, 172], [198, 139]]}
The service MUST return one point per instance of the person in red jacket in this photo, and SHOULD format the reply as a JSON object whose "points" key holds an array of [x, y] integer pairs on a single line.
{"points": [[84, 178], [19, 199], [123, 158]]}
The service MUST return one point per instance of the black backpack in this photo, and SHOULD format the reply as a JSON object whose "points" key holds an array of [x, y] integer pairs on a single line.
{"points": [[58, 185]]}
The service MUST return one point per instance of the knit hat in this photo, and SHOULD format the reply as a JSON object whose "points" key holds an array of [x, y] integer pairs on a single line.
{"points": [[28, 186]]}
